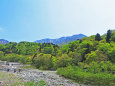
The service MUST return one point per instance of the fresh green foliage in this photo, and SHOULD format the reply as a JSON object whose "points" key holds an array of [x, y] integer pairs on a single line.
{"points": [[112, 54], [102, 67], [113, 36], [39, 83], [42, 83], [7, 79], [80, 76], [30, 84], [96, 54], [43, 61], [91, 57], [50, 56], [63, 61], [28, 48]]}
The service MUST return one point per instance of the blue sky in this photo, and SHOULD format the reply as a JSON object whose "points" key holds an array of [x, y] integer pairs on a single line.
{"points": [[30, 20]]}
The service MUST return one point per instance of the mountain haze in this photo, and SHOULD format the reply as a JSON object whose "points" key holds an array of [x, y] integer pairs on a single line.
{"points": [[3, 41], [62, 40]]}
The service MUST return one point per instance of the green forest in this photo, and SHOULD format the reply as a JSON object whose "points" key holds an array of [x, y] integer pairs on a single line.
{"points": [[90, 60]]}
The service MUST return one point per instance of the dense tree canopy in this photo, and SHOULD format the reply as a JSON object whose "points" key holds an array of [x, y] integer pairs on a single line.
{"points": [[49, 56]]}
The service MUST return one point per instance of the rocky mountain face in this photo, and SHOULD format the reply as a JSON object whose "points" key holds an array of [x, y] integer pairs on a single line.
{"points": [[62, 40]]}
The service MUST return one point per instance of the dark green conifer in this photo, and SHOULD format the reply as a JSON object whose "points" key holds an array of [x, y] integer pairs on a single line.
{"points": [[108, 36], [97, 37]]}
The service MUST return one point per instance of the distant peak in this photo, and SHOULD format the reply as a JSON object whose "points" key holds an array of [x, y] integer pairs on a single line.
{"points": [[3, 41], [66, 39]]}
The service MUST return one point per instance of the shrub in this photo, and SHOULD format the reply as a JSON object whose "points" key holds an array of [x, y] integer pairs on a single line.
{"points": [[99, 79], [43, 61], [64, 60]]}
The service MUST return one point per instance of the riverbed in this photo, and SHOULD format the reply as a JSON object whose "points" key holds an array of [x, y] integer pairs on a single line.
{"points": [[50, 77]]}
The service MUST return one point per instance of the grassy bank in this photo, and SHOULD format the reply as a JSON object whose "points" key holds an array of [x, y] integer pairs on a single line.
{"points": [[7, 79], [40, 83], [80, 76]]}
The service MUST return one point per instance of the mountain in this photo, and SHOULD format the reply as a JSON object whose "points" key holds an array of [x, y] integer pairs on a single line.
{"points": [[62, 40], [3, 41]]}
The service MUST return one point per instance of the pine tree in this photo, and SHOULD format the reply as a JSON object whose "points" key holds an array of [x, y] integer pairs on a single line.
{"points": [[108, 36], [97, 37]]}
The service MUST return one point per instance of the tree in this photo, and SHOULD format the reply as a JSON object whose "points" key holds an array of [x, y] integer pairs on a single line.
{"points": [[34, 57], [43, 61], [104, 47], [112, 55], [1, 55], [91, 57], [54, 62], [48, 50], [88, 49], [97, 37], [113, 36], [64, 60], [77, 57], [108, 36]]}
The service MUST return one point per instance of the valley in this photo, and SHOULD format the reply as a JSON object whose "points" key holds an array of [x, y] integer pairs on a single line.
{"points": [[89, 61], [27, 75], [57, 42]]}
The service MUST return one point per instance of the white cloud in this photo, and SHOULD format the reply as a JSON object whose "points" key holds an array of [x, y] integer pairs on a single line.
{"points": [[82, 16]]}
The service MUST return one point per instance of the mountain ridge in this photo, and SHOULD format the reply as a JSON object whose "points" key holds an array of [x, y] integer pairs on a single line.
{"points": [[61, 40], [3, 41]]}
